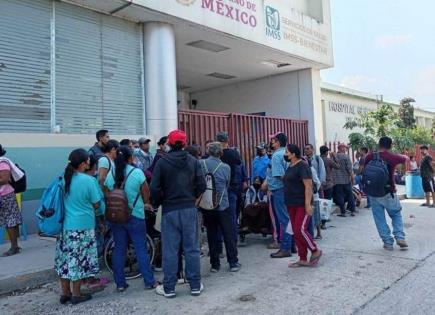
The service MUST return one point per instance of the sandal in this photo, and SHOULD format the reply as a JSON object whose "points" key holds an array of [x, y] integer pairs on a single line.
{"points": [[12, 251], [315, 260], [100, 283], [299, 264]]}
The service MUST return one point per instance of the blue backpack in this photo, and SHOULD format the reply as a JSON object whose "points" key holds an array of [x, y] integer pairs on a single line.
{"points": [[376, 177], [51, 212]]}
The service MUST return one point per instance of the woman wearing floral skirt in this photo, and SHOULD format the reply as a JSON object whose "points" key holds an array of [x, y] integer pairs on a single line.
{"points": [[76, 249]]}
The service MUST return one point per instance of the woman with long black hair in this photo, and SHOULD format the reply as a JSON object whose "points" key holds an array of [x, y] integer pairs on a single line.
{"points": [[76, 256], [133, 181]]}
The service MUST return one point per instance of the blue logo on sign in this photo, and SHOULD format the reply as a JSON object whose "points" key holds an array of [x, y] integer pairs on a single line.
{"points": [[273, 23], [272, 18]]}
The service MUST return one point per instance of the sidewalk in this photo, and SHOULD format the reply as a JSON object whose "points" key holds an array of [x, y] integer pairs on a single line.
{"points": [[31, 268]]}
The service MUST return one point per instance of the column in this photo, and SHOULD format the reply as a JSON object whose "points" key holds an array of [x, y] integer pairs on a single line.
{"points": [[311, 105], [160, 79]]}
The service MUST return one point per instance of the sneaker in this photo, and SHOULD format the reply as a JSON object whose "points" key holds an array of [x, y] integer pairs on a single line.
{"points": [[273, 245], [122, 289], [402, 244], [281, 254], [160, 290], [198, 291], [236, 267], [214, 269], [388, 247]]}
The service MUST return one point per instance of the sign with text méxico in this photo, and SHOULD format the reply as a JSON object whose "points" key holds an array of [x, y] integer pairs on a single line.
{"points": [[273, 23]]}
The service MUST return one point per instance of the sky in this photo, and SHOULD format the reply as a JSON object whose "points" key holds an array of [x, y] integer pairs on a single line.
{"points": [[385, 47]]}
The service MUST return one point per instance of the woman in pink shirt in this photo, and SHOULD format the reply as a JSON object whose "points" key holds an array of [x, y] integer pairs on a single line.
{"points": [[10, 215]]}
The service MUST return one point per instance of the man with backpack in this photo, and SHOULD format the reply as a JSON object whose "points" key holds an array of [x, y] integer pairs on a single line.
{"points": [[378, 182], [178, 181], [102, 138], [215, 208]]}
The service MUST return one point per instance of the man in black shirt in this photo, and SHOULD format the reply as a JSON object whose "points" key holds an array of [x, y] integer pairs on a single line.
{"points": [[427, 173]]}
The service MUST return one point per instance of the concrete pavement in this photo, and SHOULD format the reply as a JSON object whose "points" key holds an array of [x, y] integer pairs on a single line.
{"points": [[32, 267], [356, 276]]}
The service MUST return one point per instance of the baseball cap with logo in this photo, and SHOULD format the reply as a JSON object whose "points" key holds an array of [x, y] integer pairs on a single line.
{"points": [[177, 136]]}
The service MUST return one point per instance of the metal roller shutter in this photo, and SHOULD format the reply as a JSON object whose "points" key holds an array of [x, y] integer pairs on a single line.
{"points": [[122, 76], [24, 66], [98, 72]]}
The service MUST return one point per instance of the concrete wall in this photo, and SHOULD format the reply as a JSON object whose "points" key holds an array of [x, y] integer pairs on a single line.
{"points": [[294, 95], [43, 157]]}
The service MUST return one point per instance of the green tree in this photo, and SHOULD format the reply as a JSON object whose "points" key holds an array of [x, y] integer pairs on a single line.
{"points": [[406, 113], [385, 122]]}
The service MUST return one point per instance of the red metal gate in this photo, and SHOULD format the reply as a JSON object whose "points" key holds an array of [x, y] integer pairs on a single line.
{"points": [[245, 131]]}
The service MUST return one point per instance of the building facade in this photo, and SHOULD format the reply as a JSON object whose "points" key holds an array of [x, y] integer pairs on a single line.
{"points": [[69, 68], [340, 104]]}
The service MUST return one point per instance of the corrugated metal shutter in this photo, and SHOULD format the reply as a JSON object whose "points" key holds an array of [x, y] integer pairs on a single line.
{"points": [[98, 72], [79, 107], [24, 66], [122, 87]]}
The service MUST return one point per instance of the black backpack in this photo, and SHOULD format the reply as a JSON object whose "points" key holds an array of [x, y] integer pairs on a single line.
{"points": [[376, 177], [20, 185]]}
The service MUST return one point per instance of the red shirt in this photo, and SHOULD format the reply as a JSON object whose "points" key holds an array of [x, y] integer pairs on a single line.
{"points": [[392, 161]]}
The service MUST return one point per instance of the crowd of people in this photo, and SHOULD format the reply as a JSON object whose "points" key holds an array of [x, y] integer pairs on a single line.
{"points": [[290, 182]]}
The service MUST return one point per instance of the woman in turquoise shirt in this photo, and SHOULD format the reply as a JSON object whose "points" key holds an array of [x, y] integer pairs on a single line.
{"points": [[76, 248], [137, 192], [106, 165]]}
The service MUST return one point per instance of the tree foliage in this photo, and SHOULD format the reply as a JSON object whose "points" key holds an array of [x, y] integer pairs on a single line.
{"points": [[384, 121], [406, 113]]}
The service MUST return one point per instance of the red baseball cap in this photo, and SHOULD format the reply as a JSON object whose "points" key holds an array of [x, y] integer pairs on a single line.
{"points": [[177, 136]]}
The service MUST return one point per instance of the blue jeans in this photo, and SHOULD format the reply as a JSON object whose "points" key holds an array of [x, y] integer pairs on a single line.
{"points": [[135, 229], [180, 227], [394, 210], [232, 198], [283, 219]]}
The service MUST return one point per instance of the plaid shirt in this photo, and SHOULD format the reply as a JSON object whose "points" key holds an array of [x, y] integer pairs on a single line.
{"points": [[342, 175]]}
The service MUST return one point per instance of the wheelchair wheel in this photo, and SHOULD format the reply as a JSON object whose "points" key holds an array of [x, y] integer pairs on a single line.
{"points": [[131, 267]]}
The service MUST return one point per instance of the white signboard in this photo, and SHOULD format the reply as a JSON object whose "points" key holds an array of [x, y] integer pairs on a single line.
{"points": [[273, 23]]}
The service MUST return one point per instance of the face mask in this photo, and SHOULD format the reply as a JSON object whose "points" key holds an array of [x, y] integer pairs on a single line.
{"points": [[257, 186], [286, 158], [167, 148]]}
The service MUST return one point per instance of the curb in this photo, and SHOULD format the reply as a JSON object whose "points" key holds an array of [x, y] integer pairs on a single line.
{"points": [[30, 280]]}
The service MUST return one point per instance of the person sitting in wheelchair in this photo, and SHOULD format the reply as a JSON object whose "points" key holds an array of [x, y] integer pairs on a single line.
{"points": [[255, 216]]}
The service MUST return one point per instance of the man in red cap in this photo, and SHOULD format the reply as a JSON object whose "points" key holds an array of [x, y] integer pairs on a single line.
{"points": [[343, 179], [178, 180]]}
